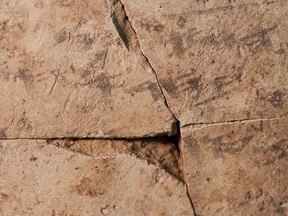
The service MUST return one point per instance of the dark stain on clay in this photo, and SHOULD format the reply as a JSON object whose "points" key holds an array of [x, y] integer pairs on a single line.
{"points": [[88, 187], [219, 85], [33, 159], [170, 87], [251, 195], [61, 36], [158, 28], [181, 22], [192, 145], [3, 133], [183, 83], [276, 151], [226, 143], [210, 39], [3, 25], [259, 39], [238, 72], [191, 34], [237, 145], [86, 40], [178, 45], [25, 76], [152, 87], [155, 92], [276, 99], [152, 26], [24, 123], [195, 85], [221, 81], [215, 144], [230, 41], [210, 99], [87, 75], [102, 81]]}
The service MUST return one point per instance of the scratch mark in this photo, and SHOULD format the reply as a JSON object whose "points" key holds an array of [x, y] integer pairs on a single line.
{"points": [[55, 80]]}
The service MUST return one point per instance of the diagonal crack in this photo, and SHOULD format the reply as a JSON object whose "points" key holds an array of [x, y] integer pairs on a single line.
{"points": [[190, 199], [236, 121], [130, 38]]}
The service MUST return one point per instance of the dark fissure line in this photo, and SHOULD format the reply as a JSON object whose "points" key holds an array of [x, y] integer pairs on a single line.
{"points": [[120, 30], [123, 26]]}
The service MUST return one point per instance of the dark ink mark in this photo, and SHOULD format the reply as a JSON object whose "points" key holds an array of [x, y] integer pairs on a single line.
{"points": [[181, 22], [152, 87], [61, 36], [3, 25], [86, 39], [211, 39], [230, 41], [149, 27], [25, 76], [102, 81], [192, 145], [259, 39], [88, 187], [220, 82], [238, 73], [280, 51], [146, 25], [3, 133], [202, 1], [158, 28], [191, 35], [195, 84], [277, 151], [237, 145], [178, 46], [33, 159], [276, 99], [169, 86], [225, 143]]}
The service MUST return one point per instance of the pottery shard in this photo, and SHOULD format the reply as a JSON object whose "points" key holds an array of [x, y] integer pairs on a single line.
{"points": [[216, 60], [237, 168], [64, 71], [41, 179]]}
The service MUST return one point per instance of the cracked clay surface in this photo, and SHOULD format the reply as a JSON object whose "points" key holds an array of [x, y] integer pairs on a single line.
{"points": [[121, 107]]}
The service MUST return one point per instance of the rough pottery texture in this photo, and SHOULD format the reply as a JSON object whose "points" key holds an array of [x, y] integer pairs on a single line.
{"points": [[66, 73], [131, 107], [216, 61], [238, 168]]}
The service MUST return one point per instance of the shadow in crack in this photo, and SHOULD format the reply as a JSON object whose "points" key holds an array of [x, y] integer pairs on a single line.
{"points": [[161, 151]]}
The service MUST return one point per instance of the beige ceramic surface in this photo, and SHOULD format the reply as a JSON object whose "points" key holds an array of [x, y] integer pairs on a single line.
{"points": [[92, 90], [41, 179], [216, 60], [66, 73], [238, 168]]}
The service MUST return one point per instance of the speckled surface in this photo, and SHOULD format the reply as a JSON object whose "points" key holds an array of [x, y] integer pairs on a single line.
{"points": [[237, 168], [92, 90], [216, 60], [66, 73], [41, 179]]}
